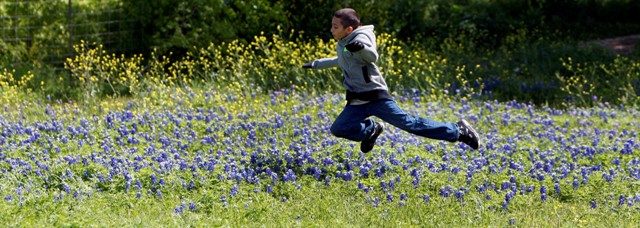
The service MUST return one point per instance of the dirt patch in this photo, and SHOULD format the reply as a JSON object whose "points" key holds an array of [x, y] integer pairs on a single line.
{"points": [[623, 45]]}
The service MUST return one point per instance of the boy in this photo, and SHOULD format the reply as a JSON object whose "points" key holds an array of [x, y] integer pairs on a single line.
{"points": [[367, 92]]}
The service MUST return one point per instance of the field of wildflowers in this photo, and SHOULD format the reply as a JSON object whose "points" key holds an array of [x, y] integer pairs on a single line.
{"points": [[205, 142], [205, 156]]}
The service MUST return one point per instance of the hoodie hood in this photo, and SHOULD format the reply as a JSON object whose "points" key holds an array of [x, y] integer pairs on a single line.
{"points": [[366, 30]]}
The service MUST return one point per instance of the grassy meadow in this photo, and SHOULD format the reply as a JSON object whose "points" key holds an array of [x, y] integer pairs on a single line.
{"points": [[205, 141]]}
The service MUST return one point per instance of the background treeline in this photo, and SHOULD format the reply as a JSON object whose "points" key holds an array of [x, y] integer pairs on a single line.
{"points": [[529, 50], [170, 24]]}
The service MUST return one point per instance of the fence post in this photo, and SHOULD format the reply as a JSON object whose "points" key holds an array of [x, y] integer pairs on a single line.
{"points": [[70, 16]]}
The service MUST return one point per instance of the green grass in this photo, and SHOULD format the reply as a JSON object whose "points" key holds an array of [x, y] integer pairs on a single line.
{"points": [[339, 204]]}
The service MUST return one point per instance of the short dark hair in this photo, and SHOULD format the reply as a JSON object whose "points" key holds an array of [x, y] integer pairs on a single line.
{"points": [[349, 17]]}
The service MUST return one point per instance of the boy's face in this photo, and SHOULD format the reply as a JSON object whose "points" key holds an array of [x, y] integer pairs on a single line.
{"points": [[337, 30]]}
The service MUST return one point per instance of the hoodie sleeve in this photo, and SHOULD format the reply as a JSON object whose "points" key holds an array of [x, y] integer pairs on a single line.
{"points": [[369, 53], [325, 63]]}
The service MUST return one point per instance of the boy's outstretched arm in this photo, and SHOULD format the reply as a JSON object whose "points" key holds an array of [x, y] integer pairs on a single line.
{"points": [[322, 63]]}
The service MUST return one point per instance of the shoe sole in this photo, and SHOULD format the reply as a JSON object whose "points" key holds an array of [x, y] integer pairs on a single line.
{"points": [[473, 131]]}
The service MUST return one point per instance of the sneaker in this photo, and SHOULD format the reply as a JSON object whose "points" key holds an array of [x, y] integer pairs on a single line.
{"points": [[367, 144], [468, 135]]}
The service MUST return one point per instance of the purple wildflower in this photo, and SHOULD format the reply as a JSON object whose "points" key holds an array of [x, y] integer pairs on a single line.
{"points": [[459, 194], [234, 190], [426, 198]]}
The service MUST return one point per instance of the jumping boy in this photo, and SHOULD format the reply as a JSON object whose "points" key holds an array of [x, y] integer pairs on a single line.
{"points": [[367, 92]]}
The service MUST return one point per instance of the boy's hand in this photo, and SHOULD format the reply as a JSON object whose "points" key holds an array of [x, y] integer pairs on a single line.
{"points": [[308, 65], [355, 46]]}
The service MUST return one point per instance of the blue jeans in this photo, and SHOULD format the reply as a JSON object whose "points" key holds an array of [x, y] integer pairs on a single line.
{"points": [[354, 122]]}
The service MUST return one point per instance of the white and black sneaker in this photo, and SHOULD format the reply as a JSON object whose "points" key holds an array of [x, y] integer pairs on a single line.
{"points": [[367, 144], [468, 135]]}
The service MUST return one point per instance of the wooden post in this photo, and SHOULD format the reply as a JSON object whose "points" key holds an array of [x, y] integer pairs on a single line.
{"points": [[70, 17]]}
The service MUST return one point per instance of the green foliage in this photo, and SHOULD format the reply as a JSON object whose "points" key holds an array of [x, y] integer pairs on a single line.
{"points": [[494, 49], [45, 30], [542, 72], [179, 26], [588, 83]]}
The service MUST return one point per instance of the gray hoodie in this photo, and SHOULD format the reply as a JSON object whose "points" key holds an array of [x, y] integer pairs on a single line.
{"points": [[362, 78]]}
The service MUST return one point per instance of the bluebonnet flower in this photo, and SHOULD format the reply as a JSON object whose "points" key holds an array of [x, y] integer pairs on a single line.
{"points": [[445, 191], [389, 197], [509, 196], [234, 190], [289, 176], [505, 185], [66, 188], [616, 161], [593, 204], [383, 184], [523, 189], [426, 198], [347, 176], [415, 183], [403, 196], [459, 194]]}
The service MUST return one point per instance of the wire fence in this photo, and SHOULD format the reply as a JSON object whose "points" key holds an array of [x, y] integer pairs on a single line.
{"points": [[45, 30]]}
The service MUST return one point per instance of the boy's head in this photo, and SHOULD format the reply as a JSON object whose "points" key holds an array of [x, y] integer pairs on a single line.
{"points": [[344, 22]]}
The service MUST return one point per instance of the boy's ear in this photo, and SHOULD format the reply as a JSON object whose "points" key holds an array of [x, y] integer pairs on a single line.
{"points": [[349, 29]]}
